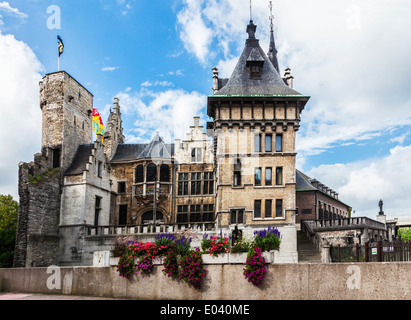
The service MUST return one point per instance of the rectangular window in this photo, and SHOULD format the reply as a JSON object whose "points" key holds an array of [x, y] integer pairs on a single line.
{"points": [[257, 143], [268, 176], [195, 183], [268, 143], [208, 212], [257, 177], [99, 169], [278, 208], [183, 184], [208, 183], [279, 143], [257, 208], [268, 204], [237, 179], [237, 173], [195, 213], [279, 176], [97, 209], [182, 213], [236, 216], [196, 155], [56, 158], [121, 187], [122, 216]]}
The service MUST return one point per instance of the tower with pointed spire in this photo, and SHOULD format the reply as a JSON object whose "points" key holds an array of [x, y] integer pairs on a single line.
{"points": [[114, 130], [272, 52], [256, 118]]}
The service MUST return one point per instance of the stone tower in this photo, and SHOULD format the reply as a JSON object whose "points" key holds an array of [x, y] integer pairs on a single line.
{"points": [[67, 115], [256, 118], [66, 123]]}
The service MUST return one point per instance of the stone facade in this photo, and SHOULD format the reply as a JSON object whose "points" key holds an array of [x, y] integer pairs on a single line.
{"points": [[78, 195], [66, 123]]}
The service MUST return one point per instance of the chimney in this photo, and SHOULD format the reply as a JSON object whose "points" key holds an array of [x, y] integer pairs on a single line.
{"points": [[289, 79], [215, 80], [196, 122]]}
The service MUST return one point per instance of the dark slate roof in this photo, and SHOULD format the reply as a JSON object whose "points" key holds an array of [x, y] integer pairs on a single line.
{"points": [[78, 165], [302, 182], [240, 83], [157, 148], [127, 152]]}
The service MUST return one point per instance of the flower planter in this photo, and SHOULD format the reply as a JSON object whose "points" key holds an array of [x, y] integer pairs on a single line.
{"points": [[268, 256], [220, 259], [114, 261], [239, 258], [158, 261]]}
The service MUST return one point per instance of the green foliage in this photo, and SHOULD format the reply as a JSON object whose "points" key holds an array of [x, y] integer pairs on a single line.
{"points": [[8, 227], [35, 179], [268, 239], [405, 234], [241, 246]]}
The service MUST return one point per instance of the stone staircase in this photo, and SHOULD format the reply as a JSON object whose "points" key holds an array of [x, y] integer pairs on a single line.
{"points": [[307, 251]]}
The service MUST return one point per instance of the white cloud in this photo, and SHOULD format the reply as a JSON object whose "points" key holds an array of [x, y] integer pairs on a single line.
{"points": [[362, 184], [350, 58], [195, 35], [20, 123], [5, 7], [8, 10], [170, 112], [105, 69], [157, 83]]}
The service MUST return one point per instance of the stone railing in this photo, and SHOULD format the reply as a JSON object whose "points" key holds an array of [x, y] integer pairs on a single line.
{"points": [[347, 223], [148, 228]]}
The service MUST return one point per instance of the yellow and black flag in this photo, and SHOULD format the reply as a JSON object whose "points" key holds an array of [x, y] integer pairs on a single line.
{"points": [[60, 45]]}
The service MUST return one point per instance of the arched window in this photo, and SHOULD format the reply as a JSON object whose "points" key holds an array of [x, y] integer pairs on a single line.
{"points": [[148, 217], [140, 174], [151, 172], [164, 173]]}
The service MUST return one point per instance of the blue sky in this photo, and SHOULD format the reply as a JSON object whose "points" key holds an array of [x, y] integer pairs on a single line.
{"points": [[156, 56]]}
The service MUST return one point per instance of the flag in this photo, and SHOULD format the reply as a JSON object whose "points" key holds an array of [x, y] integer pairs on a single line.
{"points": [[98, 127], [60, 45]]}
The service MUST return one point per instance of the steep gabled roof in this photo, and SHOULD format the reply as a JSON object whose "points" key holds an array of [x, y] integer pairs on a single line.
{"points": [[241, 84], [78, 165], [156, 149]]}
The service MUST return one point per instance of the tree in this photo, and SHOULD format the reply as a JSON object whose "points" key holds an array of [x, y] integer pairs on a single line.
{"points": [[8, 226], [405, 234]]}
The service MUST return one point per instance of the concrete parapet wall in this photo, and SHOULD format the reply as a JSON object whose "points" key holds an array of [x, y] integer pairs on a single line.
{"points": [[348, 281]]}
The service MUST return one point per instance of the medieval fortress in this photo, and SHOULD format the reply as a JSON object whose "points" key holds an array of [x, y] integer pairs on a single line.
{"points": [[78, 194]]}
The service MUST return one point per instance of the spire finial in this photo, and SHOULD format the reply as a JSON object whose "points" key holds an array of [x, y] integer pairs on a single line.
{"points": [[272, 53], [271, 16], [251, 11]]}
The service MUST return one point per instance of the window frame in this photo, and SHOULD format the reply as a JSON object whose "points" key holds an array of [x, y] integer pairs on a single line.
{"points": [[257, 209], [256, 182]]}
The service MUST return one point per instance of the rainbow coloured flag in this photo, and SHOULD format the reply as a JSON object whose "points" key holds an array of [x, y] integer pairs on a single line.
{"points": [[98, 127]]}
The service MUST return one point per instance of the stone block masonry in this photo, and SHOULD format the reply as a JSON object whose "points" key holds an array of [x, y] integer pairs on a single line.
{"points": [[39, 191], [337, 281]]}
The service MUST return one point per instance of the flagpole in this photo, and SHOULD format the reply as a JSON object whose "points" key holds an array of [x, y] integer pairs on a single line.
{"points": [[58, 63]]}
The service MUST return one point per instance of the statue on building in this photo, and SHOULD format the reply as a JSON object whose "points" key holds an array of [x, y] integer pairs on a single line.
{"points": [[380, 204]]}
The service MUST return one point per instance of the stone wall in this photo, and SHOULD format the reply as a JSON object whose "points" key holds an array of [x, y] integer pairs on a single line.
{"points": [[39, 211], [337, 281]]}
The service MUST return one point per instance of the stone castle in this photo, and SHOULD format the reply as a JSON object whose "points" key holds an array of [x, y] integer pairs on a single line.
{"points": [[78, 194]]}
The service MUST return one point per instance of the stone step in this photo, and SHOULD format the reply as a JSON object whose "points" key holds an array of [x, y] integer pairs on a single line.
{"points": [[307, 251]]}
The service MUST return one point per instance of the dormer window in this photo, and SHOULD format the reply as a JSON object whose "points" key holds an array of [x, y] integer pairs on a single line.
{"points": [[255, 72], [255, 63]]}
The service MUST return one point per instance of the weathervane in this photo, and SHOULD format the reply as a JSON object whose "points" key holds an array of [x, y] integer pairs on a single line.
{"points": [[271, 15], [251, 11]]}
